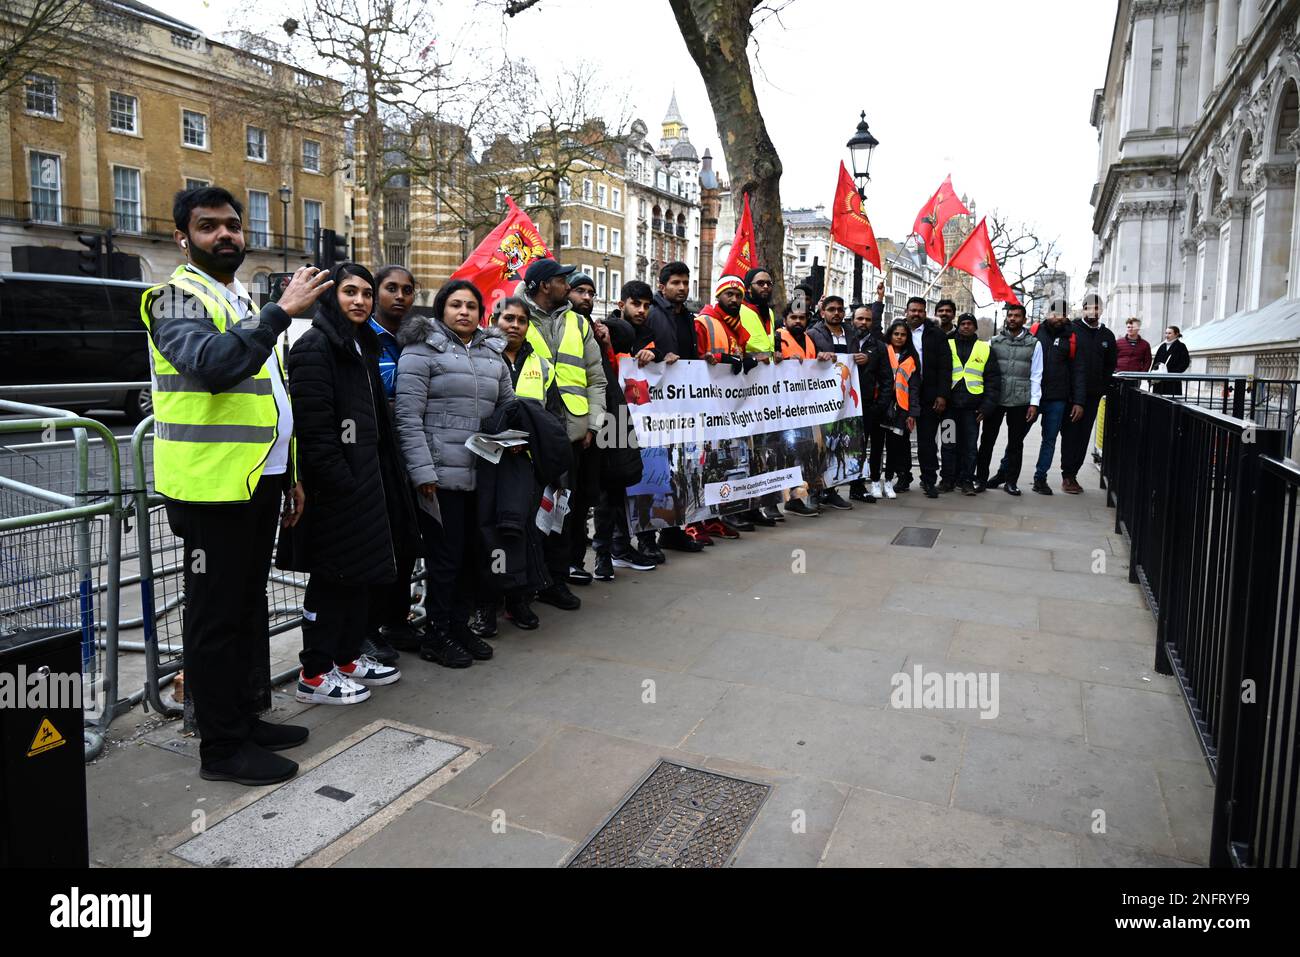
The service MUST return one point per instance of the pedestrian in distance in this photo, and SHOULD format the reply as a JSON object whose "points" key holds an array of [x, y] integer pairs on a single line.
{"points": [[1020, 360], [1064, 386], [1172, 356], [1097, 354]]}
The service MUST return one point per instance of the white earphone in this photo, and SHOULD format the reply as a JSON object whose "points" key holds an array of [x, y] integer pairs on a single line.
{"points": [[185, 244]]}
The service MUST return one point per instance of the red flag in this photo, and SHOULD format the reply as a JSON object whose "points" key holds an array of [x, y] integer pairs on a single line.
{"points": [[849, 224], [976, 257], [499, 261], [744, 248], [943, 206]]}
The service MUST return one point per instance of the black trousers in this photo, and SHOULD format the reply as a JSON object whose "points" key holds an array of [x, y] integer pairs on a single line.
{"points": [[390, 605], [873, 438], [225, 626], [612, 529], [453, 557], [582, 497], [1075, 436], [965, 423], [1013, 456], [898, 462], [927, 447], [334, 620], [948, 447]]}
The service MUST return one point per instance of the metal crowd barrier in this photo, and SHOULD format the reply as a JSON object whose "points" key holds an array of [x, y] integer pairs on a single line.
{"points": [[60, 546]]}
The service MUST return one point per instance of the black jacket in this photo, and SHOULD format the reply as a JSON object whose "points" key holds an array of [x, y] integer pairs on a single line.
{"points": [[821, 337], [1063, 376], [360, 513], [936, 367], [1098, 355], [988, 400], [673, 330], [507, 491], [1170, 357]]}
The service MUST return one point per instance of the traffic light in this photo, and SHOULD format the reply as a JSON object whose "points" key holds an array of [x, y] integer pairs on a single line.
{"points": [[92, 257], [333, 249]]}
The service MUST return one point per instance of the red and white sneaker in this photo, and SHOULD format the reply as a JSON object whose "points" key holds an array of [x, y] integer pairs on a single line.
{"points": [[717, 528], [330, 688], [369, 672], [697, 533]]}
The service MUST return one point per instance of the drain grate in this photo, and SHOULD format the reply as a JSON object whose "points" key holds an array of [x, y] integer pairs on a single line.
{"points": [[677, 816], [916, 537]]}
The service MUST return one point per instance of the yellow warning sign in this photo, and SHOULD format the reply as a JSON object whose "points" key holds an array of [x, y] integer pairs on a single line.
{"points": [[47, 739]]}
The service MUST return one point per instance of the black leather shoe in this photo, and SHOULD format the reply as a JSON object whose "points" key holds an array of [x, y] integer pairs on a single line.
{"points": [[252, 765], [1041, 487], [739, 523], [440, 649], [483, 623], [967, 488], [277, 737], [404, 637], [560, 596], [758, 518], [929, 490], [772, 512], [994, 481], [946, 486], [520, 615], [797, 506], [831, 499], [380, 650], [478, 649], [1012, 488], [651, 553]]}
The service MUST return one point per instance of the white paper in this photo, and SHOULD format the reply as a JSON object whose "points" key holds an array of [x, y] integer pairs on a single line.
{"points": [[490, 447], [551, 520]]}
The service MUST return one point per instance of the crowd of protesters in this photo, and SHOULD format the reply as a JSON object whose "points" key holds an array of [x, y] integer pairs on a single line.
{"points": [[355, 444]]}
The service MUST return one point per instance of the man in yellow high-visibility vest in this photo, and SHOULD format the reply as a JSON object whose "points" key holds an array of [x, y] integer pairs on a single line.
{"points": [[223, 459]]}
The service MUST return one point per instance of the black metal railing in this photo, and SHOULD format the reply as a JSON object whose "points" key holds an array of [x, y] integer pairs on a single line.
{"points": [[1209, 506], [129, 225]]}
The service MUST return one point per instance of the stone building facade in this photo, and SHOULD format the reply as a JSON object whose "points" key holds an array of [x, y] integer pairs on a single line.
{"points": [[1195, 219], [106, 145]]}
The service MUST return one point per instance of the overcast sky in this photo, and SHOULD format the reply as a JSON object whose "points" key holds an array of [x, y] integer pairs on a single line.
{"points": [[997, 94]]}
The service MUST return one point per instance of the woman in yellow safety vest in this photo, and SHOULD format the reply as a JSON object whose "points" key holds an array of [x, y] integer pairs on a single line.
{"points": [[900, 405]]}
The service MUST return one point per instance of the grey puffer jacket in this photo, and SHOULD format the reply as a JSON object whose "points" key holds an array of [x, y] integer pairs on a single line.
{"points": [[444, 391]]}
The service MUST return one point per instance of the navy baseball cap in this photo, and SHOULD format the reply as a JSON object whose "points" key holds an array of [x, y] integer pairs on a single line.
{"points": [[543, 269]]}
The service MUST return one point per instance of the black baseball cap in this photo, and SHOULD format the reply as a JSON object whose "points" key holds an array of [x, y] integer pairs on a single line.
{"points": [[543, 269]]}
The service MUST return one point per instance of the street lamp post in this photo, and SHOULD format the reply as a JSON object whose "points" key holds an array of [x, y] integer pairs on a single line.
{"points": [[464, 243], [285, 195], [861, 146]]}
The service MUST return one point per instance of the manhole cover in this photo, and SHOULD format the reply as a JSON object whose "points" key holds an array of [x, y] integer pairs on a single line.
{"points": [[677, 816], [916, 537]]}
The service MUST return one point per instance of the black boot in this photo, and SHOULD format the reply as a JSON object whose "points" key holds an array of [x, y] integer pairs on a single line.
{"points": [[439, 648], [252, 765]]}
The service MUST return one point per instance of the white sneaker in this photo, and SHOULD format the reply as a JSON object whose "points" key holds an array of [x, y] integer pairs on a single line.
{"points": [[875, 491], [889, 489], [369, 672], [330, 688]]}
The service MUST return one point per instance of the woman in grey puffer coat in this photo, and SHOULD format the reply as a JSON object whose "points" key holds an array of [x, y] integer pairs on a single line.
{"points": [[451, 376]]}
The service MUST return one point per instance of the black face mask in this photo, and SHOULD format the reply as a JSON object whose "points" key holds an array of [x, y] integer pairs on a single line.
{"points": [[225, 262]]}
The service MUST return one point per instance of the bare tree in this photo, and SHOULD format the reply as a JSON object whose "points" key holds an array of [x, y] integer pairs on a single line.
{"points": [[539, 148], [82, 36], [717, 34], [1023, 254]]}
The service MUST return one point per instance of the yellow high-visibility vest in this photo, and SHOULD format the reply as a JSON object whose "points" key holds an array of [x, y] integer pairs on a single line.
{"points": [[973, 371], [570, 369], [207, 447], [760, 340], [535, 378]]}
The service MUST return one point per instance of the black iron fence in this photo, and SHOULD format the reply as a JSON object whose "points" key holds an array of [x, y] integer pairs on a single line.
{"points": [[1209, 505]]}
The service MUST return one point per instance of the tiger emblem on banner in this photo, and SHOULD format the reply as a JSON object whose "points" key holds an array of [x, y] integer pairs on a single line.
{"points": [[518, 248]]}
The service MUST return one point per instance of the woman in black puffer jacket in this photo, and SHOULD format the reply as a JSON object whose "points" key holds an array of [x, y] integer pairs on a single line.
{"points": [[360, 513]]}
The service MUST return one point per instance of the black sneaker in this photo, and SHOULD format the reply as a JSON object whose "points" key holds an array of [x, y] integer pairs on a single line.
{"points": [[903, 486], [651, 554], [404, 637], [679, 541], [380, 650], [967, 488], [994, 481], [578, 575], [756, 516], [739, 523], [520, 615], [634, 561], [978, 486], [797, 506], [439, 648], [560, 596], [277, 737], [1041, 487], [929, 490], [252, 765], [772, 512], [1012, 489], [483, 623], [604, 567], [478, 649], [946, 486], [831, 498]]}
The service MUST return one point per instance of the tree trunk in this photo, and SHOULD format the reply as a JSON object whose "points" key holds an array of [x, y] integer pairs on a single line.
{"points": [[374, 167], [717, 36]]}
